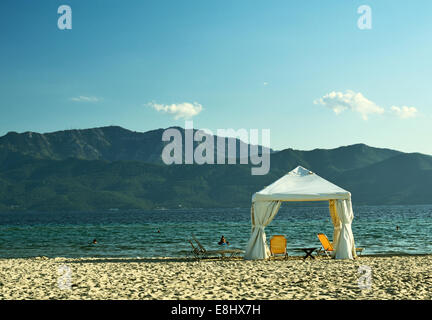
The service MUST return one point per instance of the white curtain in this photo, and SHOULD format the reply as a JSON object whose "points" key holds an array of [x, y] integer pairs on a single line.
{"points": [[344, 247], [336, 225], [262, 213]]}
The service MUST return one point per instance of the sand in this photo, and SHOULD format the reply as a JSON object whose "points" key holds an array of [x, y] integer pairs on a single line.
{"points": [[397, 277]]}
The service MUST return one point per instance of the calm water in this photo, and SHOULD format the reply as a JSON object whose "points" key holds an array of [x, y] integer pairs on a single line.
{"points": [[134, 234]]}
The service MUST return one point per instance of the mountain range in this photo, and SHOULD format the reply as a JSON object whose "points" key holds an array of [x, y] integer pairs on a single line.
{"points": [[115, 168]]}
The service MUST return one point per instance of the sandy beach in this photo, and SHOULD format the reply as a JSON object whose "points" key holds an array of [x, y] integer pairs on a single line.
{"points": [[396, 277]]}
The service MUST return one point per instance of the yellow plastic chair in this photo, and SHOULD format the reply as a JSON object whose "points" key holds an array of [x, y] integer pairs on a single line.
{"points": [[278, 244], [327, 247]]}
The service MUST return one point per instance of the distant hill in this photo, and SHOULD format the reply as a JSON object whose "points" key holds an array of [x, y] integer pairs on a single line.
{"points": [[111, 143], [402, 179], [111, 167], [330, 163]]}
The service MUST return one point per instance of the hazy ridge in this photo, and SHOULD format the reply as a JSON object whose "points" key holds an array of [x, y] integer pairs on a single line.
{"points": [[112, 167]]}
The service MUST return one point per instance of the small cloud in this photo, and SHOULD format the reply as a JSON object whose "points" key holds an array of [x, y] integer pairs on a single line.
{"points": [[350, 100], [404, 112], [85, 99], [184, 110], [265, 83]]}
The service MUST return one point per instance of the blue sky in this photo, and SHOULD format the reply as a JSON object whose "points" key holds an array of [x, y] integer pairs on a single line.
{"points": [[302, 69]]}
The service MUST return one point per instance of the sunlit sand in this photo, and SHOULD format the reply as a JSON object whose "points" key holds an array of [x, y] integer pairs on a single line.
{"points": [[392, 277]]}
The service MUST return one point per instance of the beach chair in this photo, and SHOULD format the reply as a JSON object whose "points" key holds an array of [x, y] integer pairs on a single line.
{"points": [[195, 251], [278, 245], [202, 252], [327, 247]]}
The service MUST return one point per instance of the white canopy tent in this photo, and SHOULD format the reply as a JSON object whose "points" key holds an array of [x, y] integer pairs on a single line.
{"points": [[301, 184]]}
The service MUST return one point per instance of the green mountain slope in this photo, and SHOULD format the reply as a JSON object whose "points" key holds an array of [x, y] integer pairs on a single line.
{"points": [[403, 179], [106, 143], [89, 185], [103, 168], [330, 163]]}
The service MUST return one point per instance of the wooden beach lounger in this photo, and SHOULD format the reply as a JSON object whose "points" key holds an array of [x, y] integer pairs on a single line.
{"points": [[278, 244], [327, 247], [197, 253], [201, 252]]}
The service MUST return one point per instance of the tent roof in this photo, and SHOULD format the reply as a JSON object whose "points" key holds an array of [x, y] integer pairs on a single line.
{"points": [[301, 184]]}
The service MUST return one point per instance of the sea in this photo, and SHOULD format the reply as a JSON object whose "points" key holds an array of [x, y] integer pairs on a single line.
{"points": [[165, 233]]}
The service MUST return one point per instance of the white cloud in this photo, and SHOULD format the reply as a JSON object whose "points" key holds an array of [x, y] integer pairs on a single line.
{"points": [[350, 100], [85, 99], [265, 83], [404, 112], [184, 110]]}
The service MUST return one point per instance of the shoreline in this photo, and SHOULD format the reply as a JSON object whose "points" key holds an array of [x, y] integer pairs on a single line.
{"points": [[190, 257], [174, 278]]}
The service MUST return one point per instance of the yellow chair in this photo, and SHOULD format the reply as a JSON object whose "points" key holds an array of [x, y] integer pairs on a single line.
{"points": [[327, 246], [278, 244]]}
